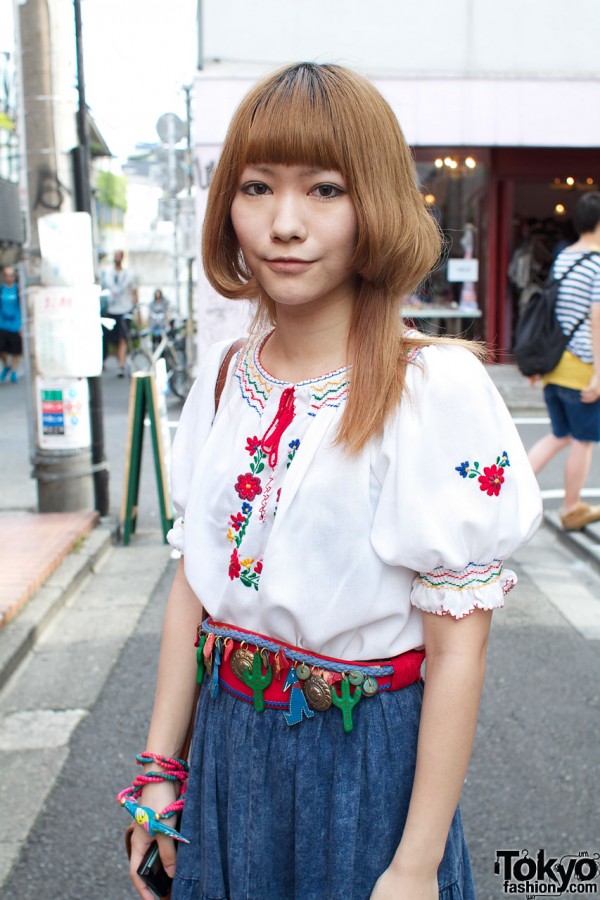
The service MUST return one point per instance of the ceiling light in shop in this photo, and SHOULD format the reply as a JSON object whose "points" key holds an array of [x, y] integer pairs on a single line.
{"points": [[448, 161], [429, 199], [559, 209], [589, 180], [470, 162], [439, 163], [570, 181]]}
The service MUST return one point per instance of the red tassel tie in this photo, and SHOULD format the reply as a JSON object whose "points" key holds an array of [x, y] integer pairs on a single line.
{"points": [[283, 418]]}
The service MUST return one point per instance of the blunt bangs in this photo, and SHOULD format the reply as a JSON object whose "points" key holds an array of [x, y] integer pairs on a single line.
{"points": [[296, 121]]}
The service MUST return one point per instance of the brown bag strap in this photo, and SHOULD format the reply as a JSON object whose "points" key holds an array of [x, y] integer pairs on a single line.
{"points": [[224, 368]]}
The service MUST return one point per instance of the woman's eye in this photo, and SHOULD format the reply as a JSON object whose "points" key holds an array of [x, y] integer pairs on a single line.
{"points": [[327, 191], [255, 189]]}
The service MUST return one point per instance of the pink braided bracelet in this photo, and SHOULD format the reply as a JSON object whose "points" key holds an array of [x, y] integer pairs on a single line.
{"points": [[174, 770]]}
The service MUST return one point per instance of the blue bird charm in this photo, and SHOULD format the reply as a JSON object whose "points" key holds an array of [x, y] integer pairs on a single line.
{"points": [[146, 817]]}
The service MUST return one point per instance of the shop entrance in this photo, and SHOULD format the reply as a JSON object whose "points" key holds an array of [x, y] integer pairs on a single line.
{"points": [[533, 193]]}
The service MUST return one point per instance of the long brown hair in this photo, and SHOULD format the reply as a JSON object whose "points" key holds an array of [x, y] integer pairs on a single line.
{"points": [[330, 117]]}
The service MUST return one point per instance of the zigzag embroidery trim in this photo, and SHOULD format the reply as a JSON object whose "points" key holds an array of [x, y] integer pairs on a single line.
{"points": [[253, 385], [473, 576], [256, 384], [332, 393]]}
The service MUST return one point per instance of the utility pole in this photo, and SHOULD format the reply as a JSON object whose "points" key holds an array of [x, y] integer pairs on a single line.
{"points": [[84, 204], [189, 332], [63, 479], [199, 36], [59, 434]]}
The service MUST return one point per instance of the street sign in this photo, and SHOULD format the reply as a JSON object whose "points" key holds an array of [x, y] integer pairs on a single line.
{"points": [[170, 128]]}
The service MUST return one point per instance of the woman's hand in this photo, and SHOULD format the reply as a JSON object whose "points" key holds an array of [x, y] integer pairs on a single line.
{"points": [[157, 797], [397, 885], [592, 392]]}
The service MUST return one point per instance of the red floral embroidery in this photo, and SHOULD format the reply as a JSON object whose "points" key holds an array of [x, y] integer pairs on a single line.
{"points": [[248, 486], [237, 521], [234, 565], [491, 480], [493, 476], [253, 444]]}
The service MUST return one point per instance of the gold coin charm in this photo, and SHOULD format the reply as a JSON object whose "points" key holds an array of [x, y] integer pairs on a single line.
{"points": [[369, 686], [241, 661], [317, 692], [303, 672]]}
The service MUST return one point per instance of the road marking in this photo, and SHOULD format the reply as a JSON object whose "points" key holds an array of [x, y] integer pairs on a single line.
{"points": [[558, 493], [578, 605], [531, 420], [171, 424], [38, 729]]}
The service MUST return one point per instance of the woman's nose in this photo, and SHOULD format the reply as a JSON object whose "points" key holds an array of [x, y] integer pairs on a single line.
{"points": [[288, 220]]}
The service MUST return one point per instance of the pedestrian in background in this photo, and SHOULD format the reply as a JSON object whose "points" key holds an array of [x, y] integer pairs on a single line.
{"points": [[122, 297], [572, 389], [11, 344], [344, 512], [160, 316]]}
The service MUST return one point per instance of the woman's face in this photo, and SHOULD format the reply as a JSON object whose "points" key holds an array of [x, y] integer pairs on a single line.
{"points": [[297, 229]]}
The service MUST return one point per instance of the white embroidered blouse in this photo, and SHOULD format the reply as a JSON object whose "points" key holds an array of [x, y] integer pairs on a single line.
{"points": [[286, 534]]}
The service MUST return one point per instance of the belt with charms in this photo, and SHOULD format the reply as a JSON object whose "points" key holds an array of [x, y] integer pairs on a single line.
{"points": [[274, 675]]}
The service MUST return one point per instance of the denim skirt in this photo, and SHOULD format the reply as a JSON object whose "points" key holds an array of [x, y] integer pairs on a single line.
{"points": [[303, 812]]}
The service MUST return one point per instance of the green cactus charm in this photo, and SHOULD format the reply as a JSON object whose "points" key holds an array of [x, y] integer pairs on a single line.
{"points": [[255, 679], [346, 702], [200, 659]]}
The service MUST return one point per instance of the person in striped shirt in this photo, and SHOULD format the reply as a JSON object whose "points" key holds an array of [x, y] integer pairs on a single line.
{"points": [[572, 389]]}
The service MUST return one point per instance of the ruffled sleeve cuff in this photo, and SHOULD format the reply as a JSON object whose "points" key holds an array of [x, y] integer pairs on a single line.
{"points": [[448, 592], [175, 535]]}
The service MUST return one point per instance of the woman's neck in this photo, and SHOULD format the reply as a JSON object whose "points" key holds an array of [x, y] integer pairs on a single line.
{"points": [[305, 346]]}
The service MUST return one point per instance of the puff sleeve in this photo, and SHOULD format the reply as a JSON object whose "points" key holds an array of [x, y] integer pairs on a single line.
{"points": [[458, 495], [192, 431]]}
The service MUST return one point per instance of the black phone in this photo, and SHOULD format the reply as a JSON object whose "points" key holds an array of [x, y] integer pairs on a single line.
{"points": [[152, 872]]}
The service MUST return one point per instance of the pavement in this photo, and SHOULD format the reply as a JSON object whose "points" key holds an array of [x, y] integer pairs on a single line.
{"points": [[45, 556]]}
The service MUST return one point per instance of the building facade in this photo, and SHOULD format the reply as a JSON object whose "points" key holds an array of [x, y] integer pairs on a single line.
{"points": [[496, 102]]}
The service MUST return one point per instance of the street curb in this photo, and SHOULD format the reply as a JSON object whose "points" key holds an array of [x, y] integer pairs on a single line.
{"points": [[19, 636], [585, 543]]}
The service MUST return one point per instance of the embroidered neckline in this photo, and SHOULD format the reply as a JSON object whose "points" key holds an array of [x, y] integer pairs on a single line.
{"points": [[256, 383], [256, 350]]}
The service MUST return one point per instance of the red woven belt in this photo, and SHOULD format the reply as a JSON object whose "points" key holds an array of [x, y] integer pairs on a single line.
{"points": [[268, 673]]}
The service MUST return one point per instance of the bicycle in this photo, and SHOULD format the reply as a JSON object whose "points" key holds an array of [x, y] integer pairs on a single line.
{"points": [[147, 348]]}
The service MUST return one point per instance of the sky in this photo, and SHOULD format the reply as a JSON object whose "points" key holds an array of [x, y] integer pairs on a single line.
{"points": [[137, 56]]}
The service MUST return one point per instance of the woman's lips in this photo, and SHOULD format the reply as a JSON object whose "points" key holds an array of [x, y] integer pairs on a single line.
{"points": [[289, 264]]}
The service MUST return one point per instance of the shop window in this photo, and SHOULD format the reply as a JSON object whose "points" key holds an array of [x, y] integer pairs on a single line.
{"points": [[454, 185]]}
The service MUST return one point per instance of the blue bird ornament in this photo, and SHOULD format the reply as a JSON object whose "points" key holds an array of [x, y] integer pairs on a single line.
{"points": [[146, 818]]}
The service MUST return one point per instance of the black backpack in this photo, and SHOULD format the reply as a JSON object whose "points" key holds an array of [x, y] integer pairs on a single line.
{"points": [[539, 339]]}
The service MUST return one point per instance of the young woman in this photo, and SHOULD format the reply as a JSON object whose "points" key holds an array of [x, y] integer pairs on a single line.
{"points": [[345, 510]]}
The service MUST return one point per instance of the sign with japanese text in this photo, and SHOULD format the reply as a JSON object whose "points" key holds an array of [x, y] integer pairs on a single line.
{"points": [[463, 270], [67, 331], [63, 420]]}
